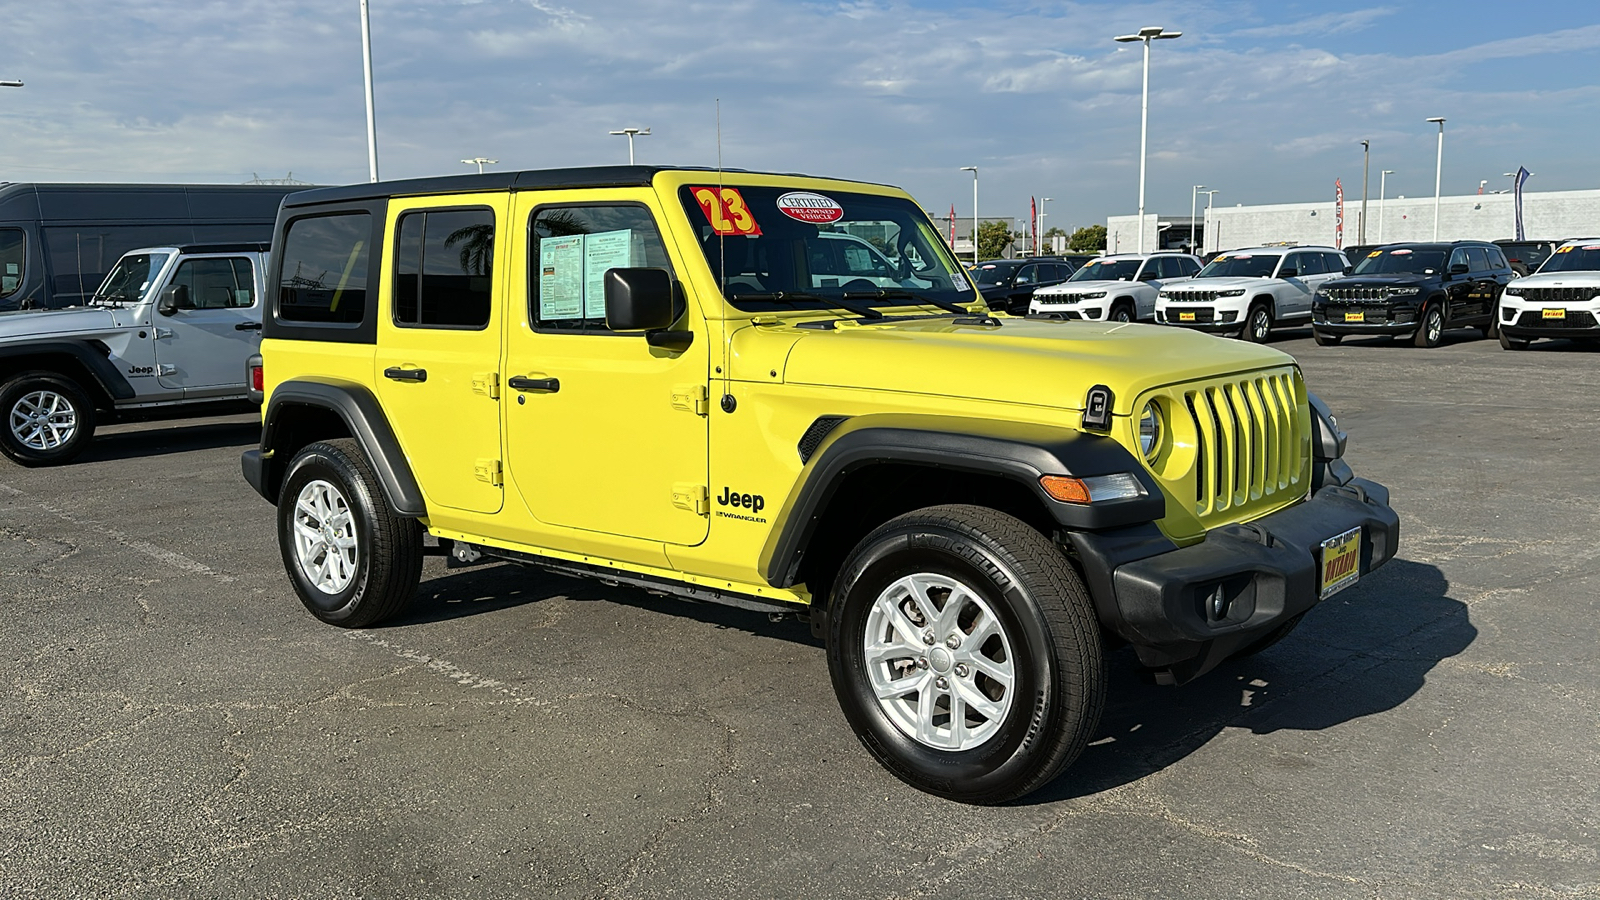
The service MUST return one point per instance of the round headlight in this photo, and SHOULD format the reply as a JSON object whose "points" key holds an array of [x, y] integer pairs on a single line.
{"points": [[1150, 430]]}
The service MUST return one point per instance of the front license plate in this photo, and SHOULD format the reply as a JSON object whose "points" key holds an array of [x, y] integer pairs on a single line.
{"points": [[1555, 314], [1354, 316], [1185, 317], [1341, 563]]}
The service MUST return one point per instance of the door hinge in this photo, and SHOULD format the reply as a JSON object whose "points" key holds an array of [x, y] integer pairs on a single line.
{"points": [[166, 369], [692, 497], [691, 398], [487, 384], [487, 470]]}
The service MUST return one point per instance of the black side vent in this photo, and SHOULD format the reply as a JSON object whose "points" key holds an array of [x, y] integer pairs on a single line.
{"points": [[814, 436]]}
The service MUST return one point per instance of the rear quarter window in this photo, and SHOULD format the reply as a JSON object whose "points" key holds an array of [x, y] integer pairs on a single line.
{"points": [[324, 272], [13, 253]]}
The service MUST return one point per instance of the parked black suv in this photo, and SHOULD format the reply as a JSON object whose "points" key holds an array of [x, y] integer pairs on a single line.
{"points": [[1007, 285], [1527, 256], [1414, 290]]}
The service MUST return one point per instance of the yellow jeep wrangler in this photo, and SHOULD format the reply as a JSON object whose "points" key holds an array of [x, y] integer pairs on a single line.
{"points": [[783, 393]]}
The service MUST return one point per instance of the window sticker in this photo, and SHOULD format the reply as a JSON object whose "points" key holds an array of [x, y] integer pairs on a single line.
{"points": [[1591, 247], [1568, 249], [1401, 252], [726, 210], [561, 278], [606, 250], [1374, 254], [805, 206], [1225, 259]]}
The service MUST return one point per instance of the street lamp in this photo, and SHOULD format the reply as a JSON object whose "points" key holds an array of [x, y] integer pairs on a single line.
{"points": [[1366, 165], [366, 66], [480, 162], [974, 171], [630, 132], [1438, 173], [1193, 196], [1382, 184], [1038, 225], [1146, 34], [1206, 228]]}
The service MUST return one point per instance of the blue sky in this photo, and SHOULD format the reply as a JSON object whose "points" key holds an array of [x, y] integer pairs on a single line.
{"points": [[1263, 101]]}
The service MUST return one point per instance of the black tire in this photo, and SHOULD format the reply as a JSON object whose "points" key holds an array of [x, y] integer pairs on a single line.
{"points": [[1511, 343], [1268, 639], [46, 419], [1121, 311], [387, 553], [1492, 328], [1044, 619], [1324, 339], [1431, 328], [1257, 323]]}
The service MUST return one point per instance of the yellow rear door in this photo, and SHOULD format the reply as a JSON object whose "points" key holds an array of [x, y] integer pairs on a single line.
{"points": [[439, 344]]}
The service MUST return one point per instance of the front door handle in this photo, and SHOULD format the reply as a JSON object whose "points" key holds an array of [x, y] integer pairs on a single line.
{"points": [[247, 326], [534, 385], [399, 374]]}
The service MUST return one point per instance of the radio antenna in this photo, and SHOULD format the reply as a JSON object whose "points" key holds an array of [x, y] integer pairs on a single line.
{"points": [[722, 239]]}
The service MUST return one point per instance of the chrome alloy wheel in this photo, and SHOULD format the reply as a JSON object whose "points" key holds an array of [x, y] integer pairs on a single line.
{"points": [[1260, 323], [1435, 326], [43, 420], [325, 543], [939, 661]]}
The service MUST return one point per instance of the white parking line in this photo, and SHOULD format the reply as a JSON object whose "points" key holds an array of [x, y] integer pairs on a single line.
{"points": [[169, 557]]}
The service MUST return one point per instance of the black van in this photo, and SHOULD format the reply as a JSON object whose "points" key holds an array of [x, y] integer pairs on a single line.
{"points": [[58, 240]]}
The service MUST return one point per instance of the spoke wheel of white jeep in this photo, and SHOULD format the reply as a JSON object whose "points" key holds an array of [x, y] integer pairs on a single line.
{"points": [[352, 559], [940, 661], [325, 541], [48, 418], [965, 653], [1258, 324]]}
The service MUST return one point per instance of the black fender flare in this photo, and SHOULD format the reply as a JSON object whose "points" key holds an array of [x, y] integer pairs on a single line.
{"points": [[1015, 451], [92, 355], [362, 415]]}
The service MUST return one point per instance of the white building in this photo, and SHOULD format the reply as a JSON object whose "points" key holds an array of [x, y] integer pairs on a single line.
{"points": [[1548, 215]]}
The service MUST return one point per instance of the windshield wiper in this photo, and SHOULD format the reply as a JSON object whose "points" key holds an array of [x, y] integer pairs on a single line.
{"points": [[902, 294], [798, 297], [111, 299]]}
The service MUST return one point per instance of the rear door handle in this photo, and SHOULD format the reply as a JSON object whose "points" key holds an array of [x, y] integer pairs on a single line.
{"points": [[247, 326], [399, 374], [534, 385]]}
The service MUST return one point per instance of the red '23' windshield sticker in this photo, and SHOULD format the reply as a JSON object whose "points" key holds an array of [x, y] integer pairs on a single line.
{"points": [[726, 210]]}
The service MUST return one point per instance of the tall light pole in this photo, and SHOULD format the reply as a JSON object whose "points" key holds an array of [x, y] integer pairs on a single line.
{"points": [[366, 65], [630, 132], [1438, 174], [1210, 195], [1193, 196], [1038, 225], [1382, 184], [480, 162], [974, 171], [1146, 34], [1366, 164]]}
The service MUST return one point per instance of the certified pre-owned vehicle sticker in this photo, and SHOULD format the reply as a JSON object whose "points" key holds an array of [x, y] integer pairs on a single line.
{"points": [[726, 210], [808, 207]]}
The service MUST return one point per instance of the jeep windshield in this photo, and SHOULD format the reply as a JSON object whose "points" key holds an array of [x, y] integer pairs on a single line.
{"points": [[1107, 270], [780, 248], [1401, 261], [1241, 265], [1574, 258], [130, 279]]}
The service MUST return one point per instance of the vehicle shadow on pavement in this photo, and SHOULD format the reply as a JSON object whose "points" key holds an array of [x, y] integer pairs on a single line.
{"points": [[1357, 654], [160, 440]]}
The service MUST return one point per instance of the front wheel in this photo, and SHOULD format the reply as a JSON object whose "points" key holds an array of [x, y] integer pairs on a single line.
{"points": [[1432, 327], [1121, 312], [49, 419], [352, 559], [964, 651], [1258, 324]]}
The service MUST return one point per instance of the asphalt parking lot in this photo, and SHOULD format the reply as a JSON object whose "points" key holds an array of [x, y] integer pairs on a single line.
{"points": [[176, 725]]}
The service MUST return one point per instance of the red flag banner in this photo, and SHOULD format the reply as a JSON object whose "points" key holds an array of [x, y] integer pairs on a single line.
{"points": [[1338, 214], [952, 227]]}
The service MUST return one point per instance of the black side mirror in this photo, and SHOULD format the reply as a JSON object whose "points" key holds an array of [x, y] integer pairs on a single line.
{"points": [[638, 299], [1349, 269], [1459, 269], [173, 298], [1289, 272]]}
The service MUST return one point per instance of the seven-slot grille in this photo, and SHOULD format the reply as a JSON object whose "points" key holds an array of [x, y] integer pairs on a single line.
{"points": [[1357, 293], [1558, 294], [1191, 296], [1250, 440], [1058, 298]]}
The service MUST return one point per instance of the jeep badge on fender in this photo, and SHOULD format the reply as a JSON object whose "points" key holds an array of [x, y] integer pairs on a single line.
{"points": [[968, 546]]}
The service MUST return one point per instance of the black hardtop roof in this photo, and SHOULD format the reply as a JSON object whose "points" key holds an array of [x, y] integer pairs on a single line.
{"points": [[237, 247], [526, 180], [89, 201], [1436, 245]]}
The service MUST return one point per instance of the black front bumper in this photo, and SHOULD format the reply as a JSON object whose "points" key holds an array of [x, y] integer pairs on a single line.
{"points": [[1160, 597]]}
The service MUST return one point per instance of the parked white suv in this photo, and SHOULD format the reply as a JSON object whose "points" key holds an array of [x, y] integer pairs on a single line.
{"points": [[1561, 300], [1118, 288], [1249, 292]]}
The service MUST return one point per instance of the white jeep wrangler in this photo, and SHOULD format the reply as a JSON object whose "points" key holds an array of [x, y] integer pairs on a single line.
{"points": [[1249, 292], [1119, 288]]}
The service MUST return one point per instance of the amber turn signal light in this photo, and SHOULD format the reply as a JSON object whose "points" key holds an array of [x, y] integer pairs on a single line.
{"points": [[1065, 488]]}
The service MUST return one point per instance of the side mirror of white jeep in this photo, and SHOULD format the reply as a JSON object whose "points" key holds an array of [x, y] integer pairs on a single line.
{"points": [[173, 298]]}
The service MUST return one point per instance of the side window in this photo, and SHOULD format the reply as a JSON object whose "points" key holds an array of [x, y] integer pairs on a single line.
{"points": [[573, 246], [1497, 260], [1479, 258], [1458, 257], [444, 261], [1168, 267], [1309, 263], [217, 283], [1027, 275], [1335, 262], [324, 278], [13, 253]]}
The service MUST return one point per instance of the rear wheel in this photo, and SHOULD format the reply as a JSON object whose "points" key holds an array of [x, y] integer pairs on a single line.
{"points": [[965, 653], [1432, 327], [1511, 343], [1324, 339], [1258, 323], [49, 419], [352, 559]]}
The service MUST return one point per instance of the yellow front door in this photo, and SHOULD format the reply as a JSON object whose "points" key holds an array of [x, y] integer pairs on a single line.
{"points": [[439, 345], [604, 432]]}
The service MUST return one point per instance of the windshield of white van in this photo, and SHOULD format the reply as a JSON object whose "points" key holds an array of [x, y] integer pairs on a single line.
{"points": [[130, 278], [778, 248]]}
